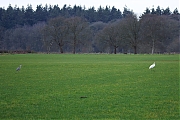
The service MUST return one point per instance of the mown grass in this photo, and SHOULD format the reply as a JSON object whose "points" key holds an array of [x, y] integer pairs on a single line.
{"points": [[115, 86]]}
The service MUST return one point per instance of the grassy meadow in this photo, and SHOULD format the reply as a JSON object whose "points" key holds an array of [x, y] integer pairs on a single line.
{"points": [[89, 86]]}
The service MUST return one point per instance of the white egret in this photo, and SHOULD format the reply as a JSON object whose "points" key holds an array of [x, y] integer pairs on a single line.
{"points": [[18, 68], [152, 66]]}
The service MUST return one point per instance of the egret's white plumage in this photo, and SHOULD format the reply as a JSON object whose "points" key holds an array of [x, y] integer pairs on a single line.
{"points": [[18, 68], [152, 66]]}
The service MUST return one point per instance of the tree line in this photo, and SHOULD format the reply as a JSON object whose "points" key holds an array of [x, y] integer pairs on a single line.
{"points": [[80, 30]]}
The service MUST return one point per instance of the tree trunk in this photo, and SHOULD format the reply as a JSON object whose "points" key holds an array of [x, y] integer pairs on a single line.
{"points": [[61, 49], [135, 49], [48, 49], [115, 49], [153, 47], [74, 47]]}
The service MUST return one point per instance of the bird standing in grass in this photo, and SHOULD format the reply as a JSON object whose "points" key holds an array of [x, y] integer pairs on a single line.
{"points": [[152, 66], [18, 68]]}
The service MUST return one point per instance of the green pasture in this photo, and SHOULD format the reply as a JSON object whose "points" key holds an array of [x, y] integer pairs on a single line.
{"points": [[89, 86]]}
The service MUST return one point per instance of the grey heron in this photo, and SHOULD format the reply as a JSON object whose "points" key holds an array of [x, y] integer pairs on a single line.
{"points": [[18, 68]]}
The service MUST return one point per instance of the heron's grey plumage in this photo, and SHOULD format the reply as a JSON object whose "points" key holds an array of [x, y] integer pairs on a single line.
{"points": [[18, 68]]}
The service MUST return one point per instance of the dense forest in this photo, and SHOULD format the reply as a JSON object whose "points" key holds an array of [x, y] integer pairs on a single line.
{"points": [[80, 30]]}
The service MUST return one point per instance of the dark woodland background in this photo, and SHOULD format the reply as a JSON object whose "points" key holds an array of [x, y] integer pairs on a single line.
{"points": [[80, 30]]}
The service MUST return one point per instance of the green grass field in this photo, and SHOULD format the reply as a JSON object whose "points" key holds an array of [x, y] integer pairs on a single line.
{"points": [[50, 86]]}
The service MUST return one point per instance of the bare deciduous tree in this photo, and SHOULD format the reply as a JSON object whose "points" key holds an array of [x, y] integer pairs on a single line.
{"points": [[47, 41], [96, 27], [56, 30], [131, 29], [77, 29], [111, 36], [157, 30]]}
